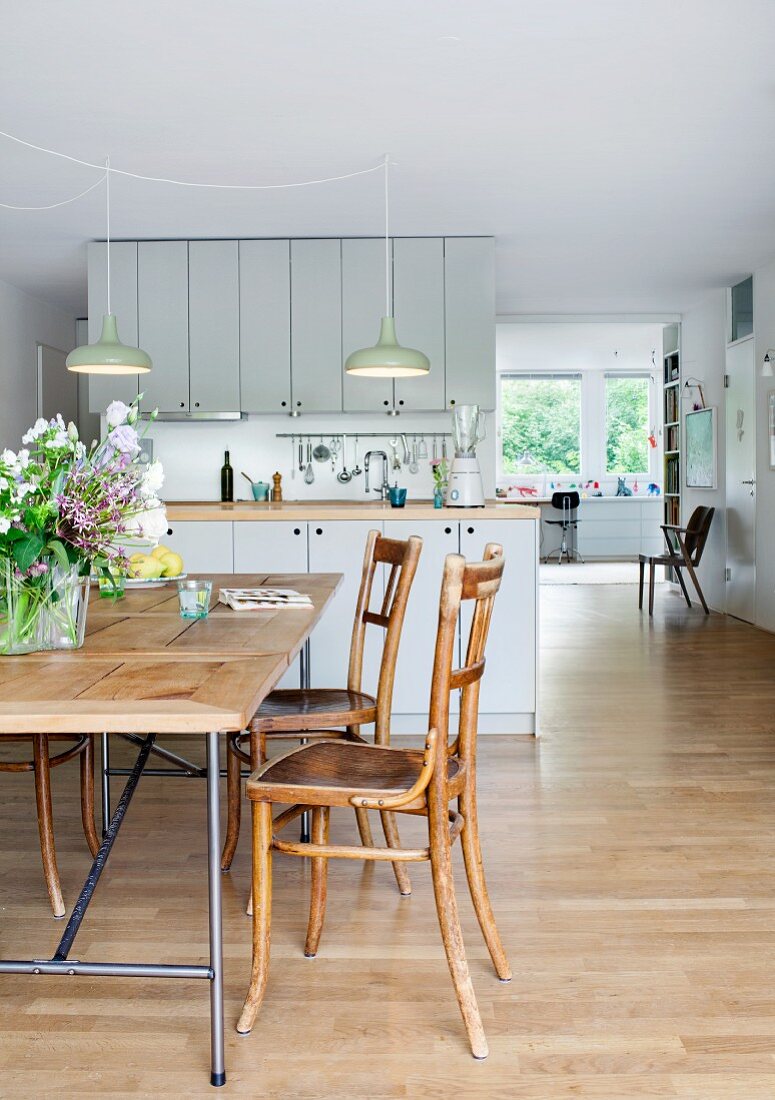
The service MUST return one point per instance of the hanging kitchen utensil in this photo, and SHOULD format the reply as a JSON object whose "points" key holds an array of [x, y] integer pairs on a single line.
{"points": [[422, 449], [405, 445], [302, 465], [344, 474], [395, 461], [293, 452], [334, 447], [309, 476], [435, 450], [321, 452], [414, 466], [444, 448], [357, 471]]}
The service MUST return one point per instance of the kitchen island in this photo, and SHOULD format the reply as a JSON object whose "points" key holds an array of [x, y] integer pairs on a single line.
{"points": [[299, 537]]}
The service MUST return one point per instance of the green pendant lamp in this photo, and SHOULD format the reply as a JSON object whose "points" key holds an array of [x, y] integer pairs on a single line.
{"points": [[387, 359], [108, 355]]}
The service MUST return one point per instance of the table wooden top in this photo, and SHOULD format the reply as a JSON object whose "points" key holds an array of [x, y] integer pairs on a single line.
{"points": [[144, 669]]}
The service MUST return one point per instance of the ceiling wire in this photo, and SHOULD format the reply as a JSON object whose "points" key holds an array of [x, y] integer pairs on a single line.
{"points": [[64, 202], [175, 182]]}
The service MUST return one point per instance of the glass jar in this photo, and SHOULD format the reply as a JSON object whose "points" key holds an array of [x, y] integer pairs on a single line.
{"points": [[44, 612]]}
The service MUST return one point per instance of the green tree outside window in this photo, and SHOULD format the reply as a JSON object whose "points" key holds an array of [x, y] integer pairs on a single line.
{"points": [[541, 425], [627, 426]]}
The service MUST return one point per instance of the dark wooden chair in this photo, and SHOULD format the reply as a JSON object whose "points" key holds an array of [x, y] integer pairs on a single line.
{"points": [[379, 777], [684, 553], [315, 713], [41, 765]]}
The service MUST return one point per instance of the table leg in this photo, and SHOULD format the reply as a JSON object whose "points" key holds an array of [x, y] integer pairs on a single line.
{"points": [[304, 683], [105, 781], [217, 1067]]}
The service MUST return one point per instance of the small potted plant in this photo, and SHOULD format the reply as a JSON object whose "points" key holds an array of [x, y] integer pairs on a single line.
{"points": [[66, 510], [439, 471]]}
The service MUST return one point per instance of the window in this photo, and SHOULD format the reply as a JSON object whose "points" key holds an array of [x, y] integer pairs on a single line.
{"points": [[540, 423], [742, 309], [627, 424]]}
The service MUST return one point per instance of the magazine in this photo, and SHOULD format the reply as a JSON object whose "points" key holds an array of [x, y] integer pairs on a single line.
{"points": [[263, 599]]}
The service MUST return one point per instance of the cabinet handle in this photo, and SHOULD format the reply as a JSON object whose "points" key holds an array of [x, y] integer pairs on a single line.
{"points": [[297, 530], [470, 530], [169, 530], [318, 530], [196, 404], [452, 401], [401, 401], [298, 404], [447, 530], [385, 402], [283, 403], [182, 404]]}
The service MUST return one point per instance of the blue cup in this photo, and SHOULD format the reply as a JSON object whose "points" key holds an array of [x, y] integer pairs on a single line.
{"points": [[397, 497], [260, 490]]}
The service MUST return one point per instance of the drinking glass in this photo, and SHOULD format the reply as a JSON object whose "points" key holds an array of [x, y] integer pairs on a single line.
{"points": [[194, 598]]}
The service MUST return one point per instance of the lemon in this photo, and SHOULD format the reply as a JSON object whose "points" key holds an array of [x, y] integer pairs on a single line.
{"points": [[159, 551], [148, 568], [172, 563]]}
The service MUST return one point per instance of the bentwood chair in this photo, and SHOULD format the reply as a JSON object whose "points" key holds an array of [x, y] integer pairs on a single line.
{"points": [[41, 765], [313, 713], [379, 777], [684, 553]]}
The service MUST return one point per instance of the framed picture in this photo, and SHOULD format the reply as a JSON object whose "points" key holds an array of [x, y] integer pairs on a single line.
{"points": [[771, 426], [701, 449]]}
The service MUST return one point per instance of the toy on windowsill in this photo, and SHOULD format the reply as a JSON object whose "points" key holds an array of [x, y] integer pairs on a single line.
{"points": [[622, 490], [653, 490]]}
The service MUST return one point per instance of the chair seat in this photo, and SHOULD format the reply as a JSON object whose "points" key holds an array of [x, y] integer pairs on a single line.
{"points": [[330, 773], [287, 710], [662, 559]]}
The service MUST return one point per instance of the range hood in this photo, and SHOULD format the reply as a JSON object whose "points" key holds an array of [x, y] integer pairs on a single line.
{"points": [[199, 414]]}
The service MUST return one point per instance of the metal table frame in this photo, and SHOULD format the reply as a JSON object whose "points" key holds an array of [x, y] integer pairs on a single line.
{"points": [[60, 963]]}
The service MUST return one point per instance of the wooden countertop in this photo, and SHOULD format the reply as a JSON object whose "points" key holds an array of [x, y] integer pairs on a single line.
{"points": [[311, 510]]}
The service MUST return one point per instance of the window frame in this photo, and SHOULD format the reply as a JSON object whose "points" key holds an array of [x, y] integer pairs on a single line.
{"points": [[503, 476], [649, 379]]}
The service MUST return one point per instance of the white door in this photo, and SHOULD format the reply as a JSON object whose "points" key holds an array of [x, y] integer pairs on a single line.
{"points": [[414, 667], [741, 479], [337, 547], [57, 386], [273, 547], [205, 545], [509, 684]]}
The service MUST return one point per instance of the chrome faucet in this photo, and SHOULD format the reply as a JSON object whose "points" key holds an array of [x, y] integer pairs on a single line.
{"points": [[384, 488]]}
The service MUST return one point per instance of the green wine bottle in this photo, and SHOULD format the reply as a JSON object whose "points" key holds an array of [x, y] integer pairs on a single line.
{"points": [[227, 479]]}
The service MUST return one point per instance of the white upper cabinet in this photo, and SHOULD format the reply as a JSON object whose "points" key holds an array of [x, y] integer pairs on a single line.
{"points": [[418, 306], [316, 325], [214, 325], [265, 325], [363, 306], [123, 293], [162, 321], [469, 275]]}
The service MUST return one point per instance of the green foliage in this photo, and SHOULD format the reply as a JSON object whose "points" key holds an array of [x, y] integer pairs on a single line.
{"points": [[627, 427], [541, 425]]}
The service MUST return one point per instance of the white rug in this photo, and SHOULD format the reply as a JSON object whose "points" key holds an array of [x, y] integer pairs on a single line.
{"points": [[594, 572]]}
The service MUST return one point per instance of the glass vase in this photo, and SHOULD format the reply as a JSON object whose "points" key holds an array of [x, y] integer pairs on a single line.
{"points": [[438, 498], [42, 613]]}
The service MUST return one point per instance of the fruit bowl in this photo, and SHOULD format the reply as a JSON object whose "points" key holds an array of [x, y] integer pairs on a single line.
{"points": [[152, 582]]}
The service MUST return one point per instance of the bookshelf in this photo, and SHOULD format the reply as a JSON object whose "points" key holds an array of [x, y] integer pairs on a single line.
{"points": [[671, 410]]}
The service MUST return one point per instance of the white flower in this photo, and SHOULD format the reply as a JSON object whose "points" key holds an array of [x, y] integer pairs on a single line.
{"points": [[8, 458], [4, 483], [36, 431], [58, 441], [151, 524], [5, 525], [116, 413], [23, 488], [152, 480], [23, 459], [72, 432]]}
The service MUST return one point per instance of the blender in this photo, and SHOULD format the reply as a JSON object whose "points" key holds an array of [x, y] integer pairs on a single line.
{"points": [[464, 487]]}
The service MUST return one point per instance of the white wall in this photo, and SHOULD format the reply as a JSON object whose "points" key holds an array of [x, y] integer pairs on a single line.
{"points": [[24, 322], [192, 454], [703, 351], [764, 333]]}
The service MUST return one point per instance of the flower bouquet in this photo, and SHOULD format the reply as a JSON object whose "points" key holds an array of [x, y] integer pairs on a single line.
{"points": [[66, 510]]}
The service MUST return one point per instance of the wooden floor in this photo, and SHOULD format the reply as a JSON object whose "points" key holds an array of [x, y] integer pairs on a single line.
{"points": [[630, 854]]}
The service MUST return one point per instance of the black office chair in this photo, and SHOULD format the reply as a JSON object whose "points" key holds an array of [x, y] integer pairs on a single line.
{"points": [[568, 504]]}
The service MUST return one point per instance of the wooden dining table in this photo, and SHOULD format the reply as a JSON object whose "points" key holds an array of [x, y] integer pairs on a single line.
{"points": [[144, 673]]}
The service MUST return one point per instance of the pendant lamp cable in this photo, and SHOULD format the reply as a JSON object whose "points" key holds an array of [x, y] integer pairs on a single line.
{"points": [[388, 304], [176, 182], [107, 222]]}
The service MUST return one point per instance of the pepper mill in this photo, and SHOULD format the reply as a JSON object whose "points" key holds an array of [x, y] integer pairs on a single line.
{"points": [[277, 488]]}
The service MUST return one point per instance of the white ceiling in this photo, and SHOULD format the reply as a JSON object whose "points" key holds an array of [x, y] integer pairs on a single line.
{"points": [[622, 151]]}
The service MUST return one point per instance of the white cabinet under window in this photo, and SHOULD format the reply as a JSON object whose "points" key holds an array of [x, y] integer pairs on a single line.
{"points": [[123, 294]]}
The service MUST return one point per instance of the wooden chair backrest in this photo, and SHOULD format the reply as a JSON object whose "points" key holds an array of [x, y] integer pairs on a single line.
{"points": [[697, 531], [402, 555], [462, 581]]}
